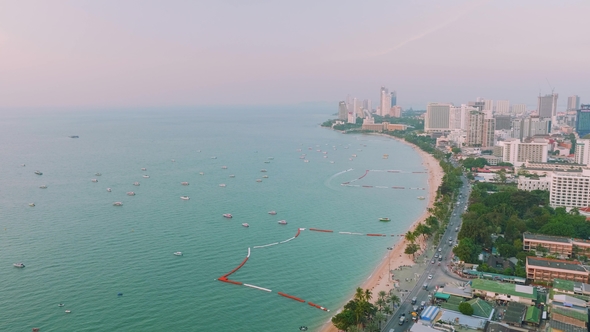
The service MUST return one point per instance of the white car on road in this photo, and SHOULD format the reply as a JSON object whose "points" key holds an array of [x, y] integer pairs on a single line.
{"points": [[430, 277]]}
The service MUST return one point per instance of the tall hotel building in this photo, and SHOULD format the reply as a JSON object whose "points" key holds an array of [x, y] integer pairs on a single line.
{"points": [[573, 103], [342, 111], [583, 120], [571, 189], [517, 153], [518, 109], [502, 107], [475, 131], [582, 153], [437, 117], [547, 106], [385, 101]]}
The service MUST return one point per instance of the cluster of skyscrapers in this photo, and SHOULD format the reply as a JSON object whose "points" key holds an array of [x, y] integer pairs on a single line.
{"points": [[352, 108]]}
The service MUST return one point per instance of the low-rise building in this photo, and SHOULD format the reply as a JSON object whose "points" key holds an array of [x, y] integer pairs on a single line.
{"points": [[498, 291], [558, 245], [530, 184], [545, 270]]}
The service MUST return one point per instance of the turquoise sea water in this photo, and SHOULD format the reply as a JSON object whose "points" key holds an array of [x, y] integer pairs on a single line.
{"points": [[82, 251]]}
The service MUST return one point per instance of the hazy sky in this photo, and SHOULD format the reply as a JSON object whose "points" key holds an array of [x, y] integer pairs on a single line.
{"points": [[177, 53]]}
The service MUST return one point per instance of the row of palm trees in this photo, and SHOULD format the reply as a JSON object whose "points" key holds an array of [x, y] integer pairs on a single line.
{"points": [[359, 314]]}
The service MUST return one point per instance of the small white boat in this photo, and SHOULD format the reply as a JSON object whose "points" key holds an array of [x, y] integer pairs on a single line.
{"points": [[19, 265], [213, 157], [223, 167], [38, 172], [118, 204], [146, 176], [144, 169], [201, 173], [421, 198], [43, 187], [98, 174], [228, 215], [263, 170], [173, 160], [184, 183], [109, 189], [272, 213], [331, 161], [186, 198], [232, 176], [31, 204], [265, 176], [178, 253], [94, 180], [68, 311], [258, 180], [23, 165], [245, 224], [130, 193], [222, 185], [282, 222], [61, 305], [306, 161], [267, 161], [136, 183]]}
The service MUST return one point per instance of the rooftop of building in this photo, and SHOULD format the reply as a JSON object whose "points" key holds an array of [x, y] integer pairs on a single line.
{"points": [[572, 313], [548, 238], [514, 313], [557, 324], [555, 264], [533, 315], [504, 288], [481, 308]]}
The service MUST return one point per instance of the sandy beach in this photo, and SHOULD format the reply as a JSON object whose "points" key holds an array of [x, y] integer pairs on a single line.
{"points": [[378, 280]]}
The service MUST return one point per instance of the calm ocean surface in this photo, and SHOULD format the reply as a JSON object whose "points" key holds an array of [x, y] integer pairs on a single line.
{"points": [[82, 251]]}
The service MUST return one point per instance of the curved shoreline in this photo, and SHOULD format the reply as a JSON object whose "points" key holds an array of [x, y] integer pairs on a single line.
{"points": [[378, 279]]}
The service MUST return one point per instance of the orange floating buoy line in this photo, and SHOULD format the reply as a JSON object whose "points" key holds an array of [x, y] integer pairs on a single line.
{"points": [[317, 306], [291, 297], [224, 277], [321, 230], [376, 235]]}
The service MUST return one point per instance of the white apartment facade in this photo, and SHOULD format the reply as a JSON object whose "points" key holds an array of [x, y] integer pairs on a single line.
{"points": [[502, 106], [530, 184], [571, 189], [582, 153], [437, 117], [517, 153]]}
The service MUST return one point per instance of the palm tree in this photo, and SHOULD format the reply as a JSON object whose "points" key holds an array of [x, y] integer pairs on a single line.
{"points": [[382, 295], [379, 317], [410, 237], [381, 303], [393, 299], [368, 295], [359, 295], [387, 310]]}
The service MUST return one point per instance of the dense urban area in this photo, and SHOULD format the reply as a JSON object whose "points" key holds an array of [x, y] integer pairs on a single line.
{"points": [[514, 204]]}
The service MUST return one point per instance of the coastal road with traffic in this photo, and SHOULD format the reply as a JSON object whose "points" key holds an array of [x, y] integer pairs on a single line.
{"points": [[434, 274]]}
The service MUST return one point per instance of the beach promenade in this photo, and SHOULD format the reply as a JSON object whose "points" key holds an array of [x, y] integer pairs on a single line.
{"points": [[379, 280]]}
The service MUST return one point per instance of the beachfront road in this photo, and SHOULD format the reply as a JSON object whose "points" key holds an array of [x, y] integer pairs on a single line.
{"points": [[440, 273]]}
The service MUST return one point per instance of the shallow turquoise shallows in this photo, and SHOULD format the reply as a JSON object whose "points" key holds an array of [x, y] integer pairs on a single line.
{"points": [[82, 251]]}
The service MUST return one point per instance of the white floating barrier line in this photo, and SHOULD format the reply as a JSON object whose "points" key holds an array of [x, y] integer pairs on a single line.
{"points": [[266, 245], [356, 234], [263, 289], [381, 187], [344, 232], [287, 240], [248, 253]]}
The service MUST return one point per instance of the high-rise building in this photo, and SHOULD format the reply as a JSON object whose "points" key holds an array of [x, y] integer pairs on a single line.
{"points": [[570, 189], [583, 120], [395, 111], [385, 102], [488, 105], [437, 117], [516, 131], [503, 122], [393, 96], [573, 103], [518, 153], [475, 130], [547, 106], [582, 153], [518, 109], [342, 111], [367, 104], [502, 106], [529, 127], [489, 125]]}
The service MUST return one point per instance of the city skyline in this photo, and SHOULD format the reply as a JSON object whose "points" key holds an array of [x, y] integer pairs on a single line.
{"points": [[127, 54]]}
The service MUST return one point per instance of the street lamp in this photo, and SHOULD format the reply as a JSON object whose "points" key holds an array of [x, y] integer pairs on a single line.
{"points": [[389, 261]]}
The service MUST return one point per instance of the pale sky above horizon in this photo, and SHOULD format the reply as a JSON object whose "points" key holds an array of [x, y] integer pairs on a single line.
{"points": [[181, 53]]}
